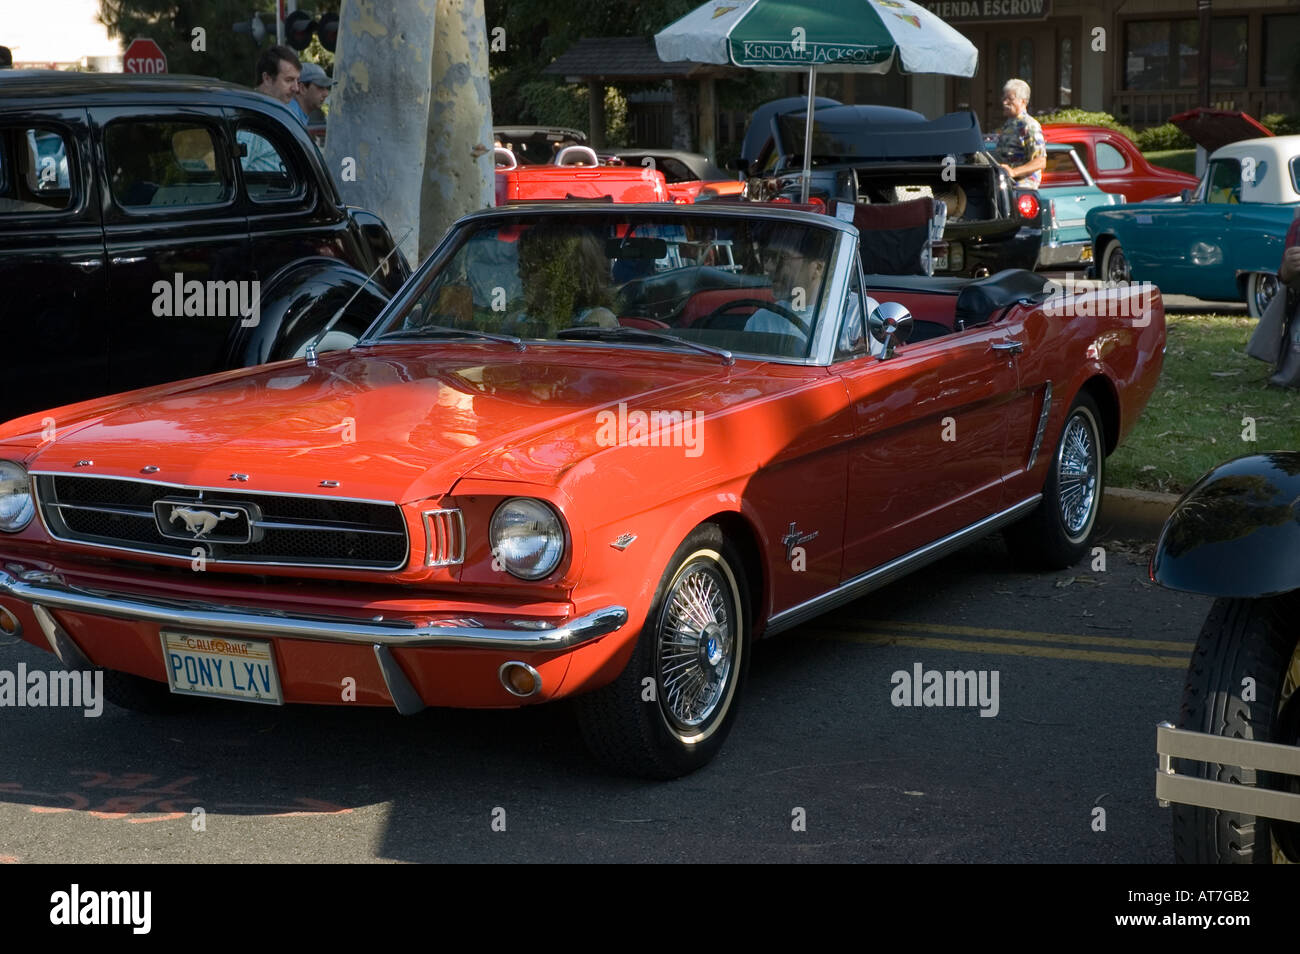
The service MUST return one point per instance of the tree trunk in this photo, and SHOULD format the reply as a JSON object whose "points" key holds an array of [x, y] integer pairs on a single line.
{"points": [[411, 105], [458, 172]]}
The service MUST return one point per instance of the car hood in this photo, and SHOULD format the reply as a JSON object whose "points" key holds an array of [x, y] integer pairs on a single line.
{"points": [[1213, 128], [398, 422]]}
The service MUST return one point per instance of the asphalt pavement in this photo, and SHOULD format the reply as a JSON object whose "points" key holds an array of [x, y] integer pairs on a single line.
{"points": [[825, 763]]}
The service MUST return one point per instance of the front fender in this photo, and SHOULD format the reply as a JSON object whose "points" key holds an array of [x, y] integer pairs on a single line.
{"points": [[1236, 533], [302, 297]]}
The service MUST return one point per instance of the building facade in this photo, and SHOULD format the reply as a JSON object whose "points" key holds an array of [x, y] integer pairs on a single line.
{"points": [[1135, 59]]}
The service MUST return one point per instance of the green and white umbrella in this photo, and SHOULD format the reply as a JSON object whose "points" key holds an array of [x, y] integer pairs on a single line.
{"points": [[865, 36]]}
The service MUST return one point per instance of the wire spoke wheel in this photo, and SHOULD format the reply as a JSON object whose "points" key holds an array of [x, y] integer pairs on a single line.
{"points": [[696, 646], [1077, 472]]}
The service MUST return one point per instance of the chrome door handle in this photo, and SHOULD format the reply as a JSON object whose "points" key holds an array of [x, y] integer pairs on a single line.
{"points": [[128, 259], [87, 263], [1010, 347]]}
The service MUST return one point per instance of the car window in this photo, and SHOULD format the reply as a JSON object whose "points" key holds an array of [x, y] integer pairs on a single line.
{"points": [[1295, 173], [754, 286], [1224, 181], [34, 175], [852, 340], [268, 176], [154, 164], [1060, 165], [1109, 159]]}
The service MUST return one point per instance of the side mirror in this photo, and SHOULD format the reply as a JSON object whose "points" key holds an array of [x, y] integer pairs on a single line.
{"points": [[1186, 194], [891, 325]]}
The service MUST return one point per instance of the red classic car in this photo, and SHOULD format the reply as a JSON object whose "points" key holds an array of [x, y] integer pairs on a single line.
{"points": [[1116, 164], [589, 450], [577, 174]]}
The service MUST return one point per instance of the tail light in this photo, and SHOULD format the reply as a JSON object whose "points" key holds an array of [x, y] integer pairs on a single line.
{"points": [[820, 203], [1027, 203]]}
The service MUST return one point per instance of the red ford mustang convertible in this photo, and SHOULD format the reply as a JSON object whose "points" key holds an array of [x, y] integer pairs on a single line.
{"points": [[589, 450]]}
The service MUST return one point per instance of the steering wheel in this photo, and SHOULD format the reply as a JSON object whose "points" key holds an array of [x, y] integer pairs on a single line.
{"points": [[775, 307]]}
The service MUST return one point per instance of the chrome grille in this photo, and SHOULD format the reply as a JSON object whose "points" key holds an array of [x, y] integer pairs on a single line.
{"points": [[444, 534], [286, 530]]}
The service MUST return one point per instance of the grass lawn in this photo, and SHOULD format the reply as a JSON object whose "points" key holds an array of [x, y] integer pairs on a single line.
{"points": [[1183, 160], [1194, 419]]}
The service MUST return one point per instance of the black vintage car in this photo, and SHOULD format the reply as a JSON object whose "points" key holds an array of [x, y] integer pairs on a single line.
{"points": [[154, 228], [882, 155], [1231, 767]]}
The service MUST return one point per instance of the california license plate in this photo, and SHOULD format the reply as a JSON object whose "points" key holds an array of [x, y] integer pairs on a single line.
{"points": [[223, 667]]}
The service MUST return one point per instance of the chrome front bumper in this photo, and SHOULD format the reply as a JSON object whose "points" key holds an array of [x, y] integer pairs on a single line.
{"points": [[45, 591]]}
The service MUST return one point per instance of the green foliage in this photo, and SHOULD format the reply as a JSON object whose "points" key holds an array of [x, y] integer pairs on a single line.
{"points": [[547, 102], [1083, 116], [1164, 137], [228, 55], [1281, 125], [1180, 160], [538, 31], [1194, 419]]}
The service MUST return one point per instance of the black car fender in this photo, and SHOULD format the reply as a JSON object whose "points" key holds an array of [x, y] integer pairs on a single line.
{"points": [[300, 299], [1236, 533]]}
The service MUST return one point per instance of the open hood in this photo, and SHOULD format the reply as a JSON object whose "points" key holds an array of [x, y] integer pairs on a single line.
{"points": [[1214, 128]]}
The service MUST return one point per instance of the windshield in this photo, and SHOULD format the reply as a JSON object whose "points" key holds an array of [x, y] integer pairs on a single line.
{"points": [[749, 285]]}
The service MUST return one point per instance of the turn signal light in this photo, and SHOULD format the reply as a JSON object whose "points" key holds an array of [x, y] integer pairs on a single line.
{"points": [[520, 679]]}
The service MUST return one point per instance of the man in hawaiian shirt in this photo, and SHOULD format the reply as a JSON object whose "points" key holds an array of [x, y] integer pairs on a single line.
{"points": [[1021, 149]]}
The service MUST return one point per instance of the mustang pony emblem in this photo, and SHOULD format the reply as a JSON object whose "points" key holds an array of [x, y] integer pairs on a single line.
{"points": [[201, 522]]}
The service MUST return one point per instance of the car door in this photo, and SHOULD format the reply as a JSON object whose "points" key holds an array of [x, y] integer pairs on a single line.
{"points": [[290, 217], [1071, 194], [177, 242], [1186, 246], [52, 266], [929, 442]]}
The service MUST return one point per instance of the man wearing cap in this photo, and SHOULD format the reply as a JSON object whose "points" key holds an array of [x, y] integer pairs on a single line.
{"points": [[314, 86]]}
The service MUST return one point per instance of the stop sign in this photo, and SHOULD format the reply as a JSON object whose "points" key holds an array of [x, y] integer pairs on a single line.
{"points": [[144, 56]]}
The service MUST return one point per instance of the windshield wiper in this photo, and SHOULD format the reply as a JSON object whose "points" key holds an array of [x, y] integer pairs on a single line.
{"points": [[641, 334], [438, 331]]}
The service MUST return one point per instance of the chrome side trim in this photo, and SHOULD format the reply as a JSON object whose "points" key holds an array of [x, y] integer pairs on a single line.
{"points": [[63, 645], [444, 537], [1042, 426], [231, 620], [405, 698], [1226, 796], [888, 572]]}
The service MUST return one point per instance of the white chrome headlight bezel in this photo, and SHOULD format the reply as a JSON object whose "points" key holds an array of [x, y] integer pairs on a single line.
{"points": [[14, 482], [505, 547]]}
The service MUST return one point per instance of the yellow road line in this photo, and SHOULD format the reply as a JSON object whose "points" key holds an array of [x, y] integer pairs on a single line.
{"points": [[1121, 642], [1007, 649]]}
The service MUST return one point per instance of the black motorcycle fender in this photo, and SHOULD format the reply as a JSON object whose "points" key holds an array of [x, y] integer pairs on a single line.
{"points": [[1236, 533]]}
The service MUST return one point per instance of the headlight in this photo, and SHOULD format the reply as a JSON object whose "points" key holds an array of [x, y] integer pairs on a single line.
{"points": [[527, 538], [16, 506]]}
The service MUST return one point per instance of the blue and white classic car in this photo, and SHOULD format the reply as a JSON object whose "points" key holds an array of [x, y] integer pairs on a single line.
{"points": [[1223, 242]]}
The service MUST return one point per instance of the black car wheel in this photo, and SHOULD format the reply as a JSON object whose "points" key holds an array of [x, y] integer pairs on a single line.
{"points": [[1057, 533], [1241, 684], [669, 711], [1114, 264], [1260, 289]]}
